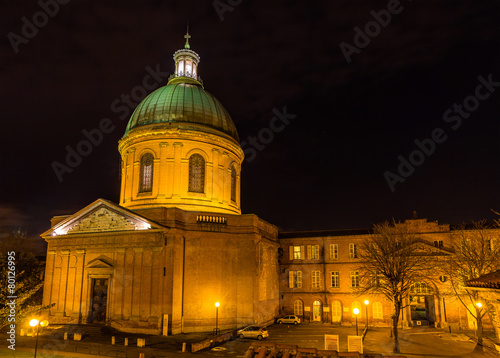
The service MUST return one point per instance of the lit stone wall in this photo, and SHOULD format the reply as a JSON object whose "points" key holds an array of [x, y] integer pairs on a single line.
{"points": [[178, 268], [443, 306], [171, 149]]}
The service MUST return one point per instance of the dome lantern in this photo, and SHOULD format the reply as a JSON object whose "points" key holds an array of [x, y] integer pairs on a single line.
{"points": [[186, 65]]}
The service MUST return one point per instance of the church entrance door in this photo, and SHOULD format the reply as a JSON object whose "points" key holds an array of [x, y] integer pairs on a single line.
{"points": [[99, 300]]}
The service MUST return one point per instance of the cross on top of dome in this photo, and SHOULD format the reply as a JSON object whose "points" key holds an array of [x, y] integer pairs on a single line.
{"points": [[186, 64]]}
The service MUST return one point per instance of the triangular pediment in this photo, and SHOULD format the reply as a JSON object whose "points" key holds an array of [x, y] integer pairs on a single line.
{"points": [[426, 248], [100, 217], [99, 263]]}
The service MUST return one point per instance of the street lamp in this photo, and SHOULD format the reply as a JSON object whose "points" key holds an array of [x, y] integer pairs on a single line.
{"points": [[479, 304], [216, 329], [36, 323], [356, 312], [366, 305]]}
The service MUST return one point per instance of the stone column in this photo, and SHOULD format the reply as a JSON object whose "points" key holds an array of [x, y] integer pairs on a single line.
{"points": [[213, 178], [63, 283], [129, 181], [117, 296], [222, 177], [136, 284], [177, 174], [79, 282], [162, 183], [49, 279]]}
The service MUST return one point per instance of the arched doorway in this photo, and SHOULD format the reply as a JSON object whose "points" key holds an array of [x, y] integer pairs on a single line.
{"points": [[336, 311], [317, 311], [422, 306]]}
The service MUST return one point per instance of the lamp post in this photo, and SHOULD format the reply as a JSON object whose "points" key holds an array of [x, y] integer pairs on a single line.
{"points": [[36, 323], [356, 312], [366, 305], [216, 329]]}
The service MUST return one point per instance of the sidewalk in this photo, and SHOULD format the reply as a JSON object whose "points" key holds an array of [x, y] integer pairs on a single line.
{"points": [[100, 345], [428, 343]]}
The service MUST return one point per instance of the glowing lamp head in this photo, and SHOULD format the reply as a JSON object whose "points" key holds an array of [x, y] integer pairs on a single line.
{"points": [[367, 302], [217, 304], [44, 323], [479, 304], [33, 322], [355, 311]]}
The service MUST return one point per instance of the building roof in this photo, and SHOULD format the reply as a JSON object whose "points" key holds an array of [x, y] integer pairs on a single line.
{"points": [[323, 233], [183, 103], [491, 280]]}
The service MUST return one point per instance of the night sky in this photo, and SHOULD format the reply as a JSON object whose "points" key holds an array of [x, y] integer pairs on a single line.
{"points": [[424, 74]]}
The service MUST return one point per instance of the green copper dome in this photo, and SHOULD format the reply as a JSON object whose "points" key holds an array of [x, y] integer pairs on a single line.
{"points": [[181, 102]]}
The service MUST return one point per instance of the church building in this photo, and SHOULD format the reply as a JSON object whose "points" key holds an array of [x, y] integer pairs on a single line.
{"points": [[177, 243]]}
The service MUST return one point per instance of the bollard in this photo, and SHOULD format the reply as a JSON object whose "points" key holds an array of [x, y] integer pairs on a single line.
{"points": [[77, 337], [113, 340], [126, 342], [141, 355], [141, 342], [65, 336], [183, 347]]}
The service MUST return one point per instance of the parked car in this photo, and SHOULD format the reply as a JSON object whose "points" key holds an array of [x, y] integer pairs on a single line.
{"points": [[289, 319], [253, 332]]}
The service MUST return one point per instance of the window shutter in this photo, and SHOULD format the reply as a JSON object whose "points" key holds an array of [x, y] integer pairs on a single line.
{"points": [[290, 278], [302, 252], [291, 252], [299, 279], [309, 252]]}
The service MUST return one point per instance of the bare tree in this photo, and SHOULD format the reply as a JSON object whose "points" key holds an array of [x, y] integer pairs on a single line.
{"points": [[477, 253], [392, 259]]}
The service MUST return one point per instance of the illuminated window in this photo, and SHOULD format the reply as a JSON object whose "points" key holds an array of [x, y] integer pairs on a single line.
{"points": [[196, 174], [377, 311], [296, 252], [233, 184], [335, 279], [316, 279], [334, 251], [295, 279], [354, 278], [188, 68], [353, 251], [336, 311], [146, 174], [420, 288], [180, 69], [298, 308], [313, 252]]}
